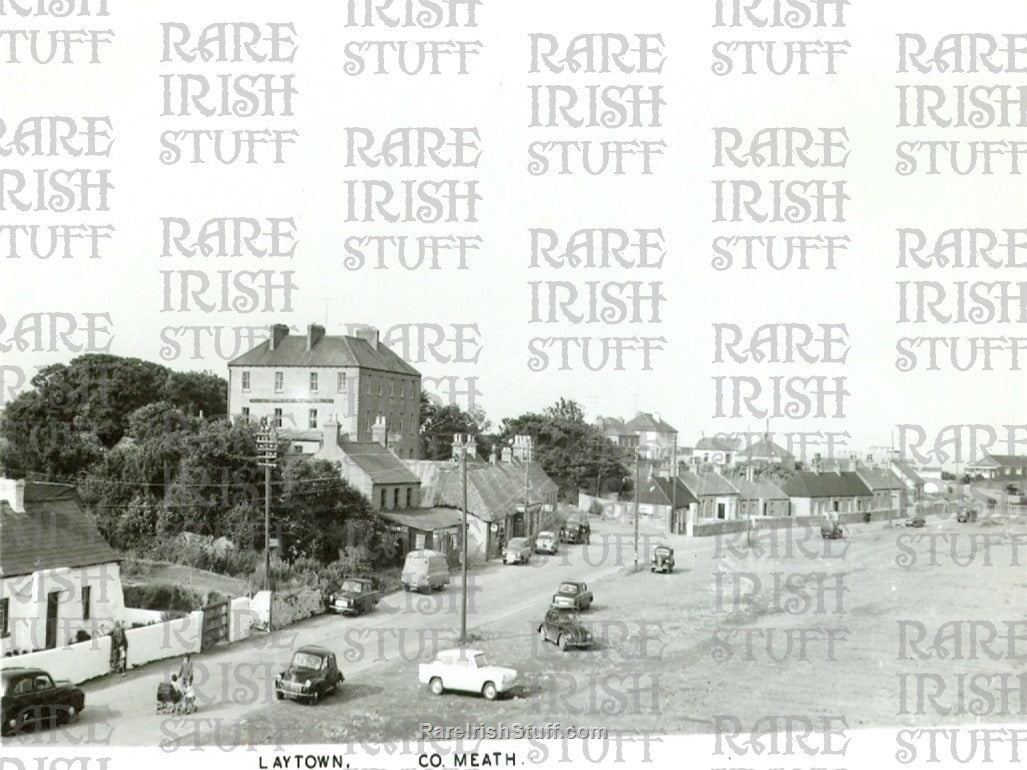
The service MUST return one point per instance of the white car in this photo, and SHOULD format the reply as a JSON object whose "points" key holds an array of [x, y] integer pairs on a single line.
{"points": [[468, 671], [546, 542]]}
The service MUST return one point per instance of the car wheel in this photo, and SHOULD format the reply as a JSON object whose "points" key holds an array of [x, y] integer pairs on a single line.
{"points": [[542, 634], [436, 686], [69, 715], [489, 691], [315, 697], [278, 695], [562, 642]]}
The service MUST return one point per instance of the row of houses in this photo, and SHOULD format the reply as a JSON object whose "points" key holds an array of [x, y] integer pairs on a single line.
{"points": [[694, 497]]}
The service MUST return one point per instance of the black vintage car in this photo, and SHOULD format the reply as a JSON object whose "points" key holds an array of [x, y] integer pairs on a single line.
{"points": [[354, 597], [31, 696], [312, 674], [663, 559], [564, 628], [576, 530], [572, 594]]}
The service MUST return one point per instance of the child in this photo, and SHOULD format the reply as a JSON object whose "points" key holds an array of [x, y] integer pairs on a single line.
{"points": [[189, 699], [176, 693]]}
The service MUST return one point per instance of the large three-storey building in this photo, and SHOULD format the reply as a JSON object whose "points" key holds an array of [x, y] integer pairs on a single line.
{"points": [[300, 383]]}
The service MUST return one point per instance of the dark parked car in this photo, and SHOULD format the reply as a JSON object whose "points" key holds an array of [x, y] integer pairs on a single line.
{"points": [[564, 628], [354, 597], [312, 674], [517, 551], [31, 696], [966, 515], [576, 530], [916, 520], [663, 559], [831, 530], [572, 594]]}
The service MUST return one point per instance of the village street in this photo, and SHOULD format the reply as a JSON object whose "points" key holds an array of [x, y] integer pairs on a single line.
{"points": [[232, 680]]}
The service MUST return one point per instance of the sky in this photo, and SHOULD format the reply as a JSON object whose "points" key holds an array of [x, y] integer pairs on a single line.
{"points": [[490, 319]]}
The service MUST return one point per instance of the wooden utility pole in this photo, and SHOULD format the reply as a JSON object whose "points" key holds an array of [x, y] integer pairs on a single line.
{"points": [[638, 465], [267, 446], [463, 442]]}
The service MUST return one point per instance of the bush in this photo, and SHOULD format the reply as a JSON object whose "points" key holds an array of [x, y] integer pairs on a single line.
{"points": [[162, 597]]}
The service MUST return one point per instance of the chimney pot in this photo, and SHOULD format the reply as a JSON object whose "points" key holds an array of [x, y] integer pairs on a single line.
{"points": [[314, 335], [278, 333]]}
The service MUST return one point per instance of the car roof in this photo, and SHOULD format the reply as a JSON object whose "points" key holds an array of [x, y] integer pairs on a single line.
{"points": [[457, 651], [573, 582], [545, 532], [313, 649], [8, 672]]}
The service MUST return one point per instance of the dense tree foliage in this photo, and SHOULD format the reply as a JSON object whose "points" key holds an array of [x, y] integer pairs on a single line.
{"points": [[439, 422]]}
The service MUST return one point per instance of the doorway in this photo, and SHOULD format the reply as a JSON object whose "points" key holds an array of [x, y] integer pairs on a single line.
{"points": [[52, 600]]}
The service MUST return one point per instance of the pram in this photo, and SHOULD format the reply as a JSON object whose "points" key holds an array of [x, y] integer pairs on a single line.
{"points": [[172, 701]]}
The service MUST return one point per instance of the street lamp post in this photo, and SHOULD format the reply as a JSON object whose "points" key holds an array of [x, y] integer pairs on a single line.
{"points": [[267, 447], [637, 477], [463, 442]]}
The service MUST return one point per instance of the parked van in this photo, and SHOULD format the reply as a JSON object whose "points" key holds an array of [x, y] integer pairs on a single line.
{"points": [[425, 571]]}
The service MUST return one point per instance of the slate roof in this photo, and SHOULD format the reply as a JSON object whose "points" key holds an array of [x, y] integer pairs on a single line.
{"points": [[1010, 461], [762, 489], [767, 448], [707, 484], [645, 421], [330, 350], [718, 444], [378, 462], [879, 479], [658, 491], [834, 484], [908, 471], [54, 531], [613, 426], [541, 488], [425, 519]]}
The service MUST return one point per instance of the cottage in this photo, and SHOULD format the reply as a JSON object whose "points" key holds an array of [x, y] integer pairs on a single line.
{"points": [[911, 480], [816, 494], [719, 451], [717, 498], [761, 498], [765, 450], [668, 501], [889, 493], [58, 576], [999, 467]]}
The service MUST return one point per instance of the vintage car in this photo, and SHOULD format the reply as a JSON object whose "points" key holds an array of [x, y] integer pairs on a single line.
{"points": [[831, 530], [966, 515], [517, 551], [312, 674], [546, 542], [576, 530], [662, 560], [354, 597], [468, 671], [564, 628], [30, 696], [572, 594], [916, 520]]}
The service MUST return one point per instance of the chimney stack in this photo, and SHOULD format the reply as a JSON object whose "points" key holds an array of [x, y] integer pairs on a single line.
{"points": [[314, 334], [331, 431], [278, 333], [13, 491], [364, 332]]}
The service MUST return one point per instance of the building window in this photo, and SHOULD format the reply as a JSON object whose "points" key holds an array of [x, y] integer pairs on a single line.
{"points": [[381, 387], [246, 413], [313, 382], [400, 424], [245, 382], [368, 388], [312, 419], [395, 498], [411, 389], [87, 602], [340, 382], [402, 390], [5, 623], [383, 498], [392, 388], [279, 382], [278, 418], [409, 496]]}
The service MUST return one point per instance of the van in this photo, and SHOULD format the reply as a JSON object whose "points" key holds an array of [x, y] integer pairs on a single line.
{"points": [[425, 571]]}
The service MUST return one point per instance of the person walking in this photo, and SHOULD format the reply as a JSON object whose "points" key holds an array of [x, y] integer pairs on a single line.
{"points": [[119, 648], [185, 671]]}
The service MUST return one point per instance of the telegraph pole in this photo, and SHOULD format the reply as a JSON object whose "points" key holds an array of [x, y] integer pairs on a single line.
{"points": [[638, 464], [267, 447], [674, 482], [463, 442]]}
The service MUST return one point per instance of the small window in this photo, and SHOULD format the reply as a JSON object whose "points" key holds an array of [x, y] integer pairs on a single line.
{"points": [[409, 495], [402, 390], [392, 388], [279, 382], [313, 382], [381, 387], [340, 382], [400, 424], [5, 622], [395, 498], [87, 596], [246, 382], [246, 413], [368, 388], [383, 498], [312, 419], [278, 418]]}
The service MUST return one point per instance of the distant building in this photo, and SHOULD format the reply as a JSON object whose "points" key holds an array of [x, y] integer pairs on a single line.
{"points": [[717, 497], [58, 575], [889, 493], [833, 492], [765, 450], [998, 466], [761, 498], [667, 500], [657, 439], [617, 432], [720, 451], [911, 480], [297, 382]]}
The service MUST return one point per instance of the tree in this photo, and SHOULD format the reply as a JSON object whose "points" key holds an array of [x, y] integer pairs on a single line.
{"points": [[574, 453], [439, 422], [196, 392]]}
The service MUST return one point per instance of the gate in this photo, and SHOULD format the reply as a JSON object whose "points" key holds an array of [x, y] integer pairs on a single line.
{"points": [[215, 625]]}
